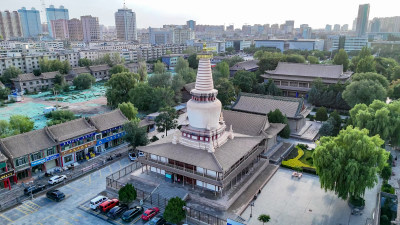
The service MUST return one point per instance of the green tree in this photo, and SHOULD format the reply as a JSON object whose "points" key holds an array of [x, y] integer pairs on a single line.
{"points": [[59, 116], [118, 87], [272, 89], [327, 128], [295, 58], [135, 135], [226, 91], [385, 66], [4, 92], [174, 212], [371, 76], [188, 75], [348, 163], [116, 59], [66, 67], [394, 89], [277, 117], [230, 50], [321, 114], [312, 59], [59, 79], [6, 130], [244, 80], [142, 71], [159, 68], [233, 60], [84, 81], [360, 92], [166, 120], [160, 80], [162, 97], [118, 69], [181, 64], [129, 110], [263, 218], [366, 65], [127, 193], [141, 96], [84, 62], [223, 68], [10, 73], [386, 172], [21, 123], [37, 72], [193, 61], [177, 85], [396, 73], [341, 58], [336, 121]]}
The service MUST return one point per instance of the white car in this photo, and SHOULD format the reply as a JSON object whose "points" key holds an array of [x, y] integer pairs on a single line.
{"points": [[141, 154], [132, 156], [57, 179]]}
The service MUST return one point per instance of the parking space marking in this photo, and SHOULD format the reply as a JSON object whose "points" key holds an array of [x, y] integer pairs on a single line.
{"points": [[31, 205], [5, 217]]}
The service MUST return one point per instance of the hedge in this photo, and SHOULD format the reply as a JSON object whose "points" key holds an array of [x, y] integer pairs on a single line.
{"points": [[296, 163]]}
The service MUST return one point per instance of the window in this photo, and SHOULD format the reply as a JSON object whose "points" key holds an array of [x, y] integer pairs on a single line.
{"points": [[20, 161], [23, 84], [66, 147], [51, 151], [67, 158], [36, 156]]}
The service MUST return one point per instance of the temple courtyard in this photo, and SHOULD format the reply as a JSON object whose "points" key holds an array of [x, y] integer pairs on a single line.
{"points": [[302, 201]]}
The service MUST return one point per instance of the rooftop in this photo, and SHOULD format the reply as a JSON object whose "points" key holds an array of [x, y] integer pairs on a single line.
{"points": [[245, 123], [310, 70], [99, 68], [263, 104], [74, 128], [246, 65], [108, 120], [26, 143], [31, 76], [80, 70]]}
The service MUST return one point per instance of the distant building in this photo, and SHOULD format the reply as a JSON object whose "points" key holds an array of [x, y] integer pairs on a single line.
{"points": [[285, 44], [125, 23], [295, 79], [238, 45], [55, 14], [10, 25], [345, 27], [181, 36], [30, 22], [30, 83], [306, 33], [191, 24], [250, 66], [60, 29], [75, 30], [336, 27], [362, 20], [328, 28], [348, 43], [160, 36], [91, 28], [100, 72], [171, 60]]}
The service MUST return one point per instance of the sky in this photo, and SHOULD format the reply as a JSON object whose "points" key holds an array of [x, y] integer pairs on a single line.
{"points": [[155, 13]]}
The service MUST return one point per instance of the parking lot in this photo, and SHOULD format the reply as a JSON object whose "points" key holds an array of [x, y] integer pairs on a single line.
{"points": [[43, 211]]}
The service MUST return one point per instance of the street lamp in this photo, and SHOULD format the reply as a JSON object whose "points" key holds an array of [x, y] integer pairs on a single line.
{"points": [[251, 209]]}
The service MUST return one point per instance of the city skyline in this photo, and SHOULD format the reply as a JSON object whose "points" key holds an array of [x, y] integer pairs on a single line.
{"points": [[319, 14]]}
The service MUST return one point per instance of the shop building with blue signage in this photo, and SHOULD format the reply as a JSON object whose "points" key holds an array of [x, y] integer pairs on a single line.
{"points": [[109, 129], [75, 140], [30, 153]]}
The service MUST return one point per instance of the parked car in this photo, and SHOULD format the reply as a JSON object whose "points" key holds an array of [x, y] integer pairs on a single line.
{"points": [[94, 203], [141, 154], [57, 179], [55, 195], [109, 204], [132, 156], [34, 189], [117, 211], [131, 213], [158, 220], [150, 213]]}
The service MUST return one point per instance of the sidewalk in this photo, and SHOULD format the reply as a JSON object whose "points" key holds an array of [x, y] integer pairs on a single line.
{"points": [[9, 198]]}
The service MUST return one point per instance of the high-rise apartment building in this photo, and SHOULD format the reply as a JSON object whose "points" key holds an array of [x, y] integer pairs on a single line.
{"points": [[289, 26], [60, 29], [328, 28], [125, 23], [191, 24], [90, 28], [75, 30], [336, 27], [362, 20], [53, 13], [30, 22], [345, 27], [386, 24], [180, 35], [160, 36], [10, 25]]}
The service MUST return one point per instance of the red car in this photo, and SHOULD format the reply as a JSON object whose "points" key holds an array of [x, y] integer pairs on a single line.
{"points": [[150, 213], [109, 204]]}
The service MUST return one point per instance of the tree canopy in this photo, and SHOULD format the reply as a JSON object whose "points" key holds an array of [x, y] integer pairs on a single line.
{"points": [[312, 59], [135, 135], [118, 87], [341, 58], [142, 71], [277, 117], [349, 163], [263, 218], [159, 67], [226, 91], [59, 116], [166, 120], [174, 212], [360, 92], [160, 80], [21, 124], [244, 80], [129, 110], [321, 114], [84, 81], [10, 73], [127, 193], [118, 69]]}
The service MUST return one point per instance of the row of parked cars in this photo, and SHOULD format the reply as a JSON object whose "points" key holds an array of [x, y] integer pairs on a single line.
{"points": [[134, 155], [33, 189], [115, 210]]}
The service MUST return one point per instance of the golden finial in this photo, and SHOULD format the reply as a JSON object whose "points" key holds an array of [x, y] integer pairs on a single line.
{"points": [[206, 53]]}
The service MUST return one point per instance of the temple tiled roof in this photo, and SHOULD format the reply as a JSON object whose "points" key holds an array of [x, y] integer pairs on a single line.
{"points": [[31, 76], [108, 120], [310, 70], [74, 128], [246, 65], [99, 68], [245, 123], [80, 70], [263, 104]]}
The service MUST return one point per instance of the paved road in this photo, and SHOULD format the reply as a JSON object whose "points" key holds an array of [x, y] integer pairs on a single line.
{"points": [[42, 211]]}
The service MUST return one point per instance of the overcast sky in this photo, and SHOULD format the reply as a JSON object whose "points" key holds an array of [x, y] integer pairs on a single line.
{"points": [[155, 13]]}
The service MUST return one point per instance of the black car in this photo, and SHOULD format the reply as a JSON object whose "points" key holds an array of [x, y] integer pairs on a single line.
{"points": [[34, 189], [55, 195], [132, 213], [116, 211], [158, 220]]}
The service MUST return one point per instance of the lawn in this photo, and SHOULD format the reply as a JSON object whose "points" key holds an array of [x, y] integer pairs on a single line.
{"points": [[299, 158]]}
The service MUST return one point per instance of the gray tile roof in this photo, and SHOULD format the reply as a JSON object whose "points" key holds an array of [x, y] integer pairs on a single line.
{"points": [[31, 76], [26, 143], [225, 156], [263, 104], [310, 70], [80, 70], [246, 65], [108, 120], [189, 86], [245, 123], [75, 128], [3, 158], [99, 68]]}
